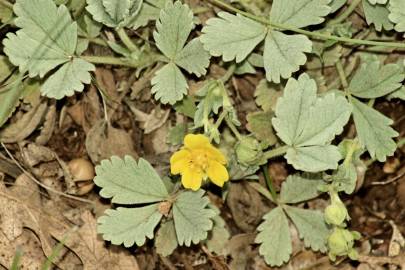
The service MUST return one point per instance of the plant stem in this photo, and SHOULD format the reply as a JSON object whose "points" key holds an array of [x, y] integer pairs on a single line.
{"points": [[276, 152], [346, 13], [109, 60], [233, 129], [6, 4], [262, 190], [126, 40], [228, 73], [342, 75], [269, 182], [98, 41], [315, 35]]}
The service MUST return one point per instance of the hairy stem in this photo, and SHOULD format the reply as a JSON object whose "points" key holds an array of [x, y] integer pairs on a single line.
{"points": [[346, 13], [233, 129], [269, 182], [126, 40], [315, 35], [279, 151]]}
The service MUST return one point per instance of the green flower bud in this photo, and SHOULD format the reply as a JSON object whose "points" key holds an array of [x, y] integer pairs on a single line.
{"points": [[341, 242], [336, 213], [249, 151]]}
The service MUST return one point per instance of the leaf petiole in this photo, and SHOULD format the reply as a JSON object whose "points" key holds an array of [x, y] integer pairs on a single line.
{"points": [[127, 40]]}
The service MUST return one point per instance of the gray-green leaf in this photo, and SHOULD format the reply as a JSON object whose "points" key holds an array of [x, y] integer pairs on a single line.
{"points": [[129, 182], [308, 124], [114, 13], [173, 28], [166, 241], [311, 227], [68, 79], [232, 36], [47, 38], [397, 14], [169, 85], [192, 217], [299, 13], [149, 11], [377, 15], [274, 238], [129, 225], [299, 188], [374, 131], [194, 58], [284, 54], [373, 80], [381, 2]]}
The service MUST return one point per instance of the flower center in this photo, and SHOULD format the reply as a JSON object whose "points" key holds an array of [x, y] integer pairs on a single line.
{"points": [[199, 159]]}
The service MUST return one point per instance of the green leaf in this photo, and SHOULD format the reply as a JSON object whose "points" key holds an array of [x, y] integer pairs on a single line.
{"points": [[176, 134], [114, 13], [173, 28], [374, 131], [335, 5], [67, 79], [381, 2], [397, 14], [260, 125], [314, 158], [308, 124], [299, 13], [194, 58], [47, 37], [274, 238], [148, 12], [166, 241], [311, 227], [211, 102], [232, 36], [192, 217], [169, 85], [129, 182], [284, 54], [219, 236], [345, 177], [373, 80], [10, 96], [400, 94], [186, 106], [377, 15], [267, 94], [6, 14], [129, 225], [299, 188]]}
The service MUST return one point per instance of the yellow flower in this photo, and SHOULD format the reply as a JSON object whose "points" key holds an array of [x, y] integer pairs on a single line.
{"points": [[198, 160]]}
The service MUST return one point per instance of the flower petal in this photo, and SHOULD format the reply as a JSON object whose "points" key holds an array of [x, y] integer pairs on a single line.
{"points": [[193, 141], [215, 154], [179, 155], [217, 173], [178, 166], [192, 178]]}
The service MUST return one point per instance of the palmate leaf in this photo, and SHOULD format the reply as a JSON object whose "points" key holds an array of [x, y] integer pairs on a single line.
{"points": [[166, 240], [374, 131], [284, 54], [373, 80], [169, 85], [172, 30], [114, 13], [127, 182], [308, 124], [67, 79], [377, 15], [299, 13], [397, 14], [149, 11], [232, 36], [381, 2], [219, 236], [311, 227], [192, 217], [299, 188], [129, 225], [260, 126], [274, 238], [47, 38]]}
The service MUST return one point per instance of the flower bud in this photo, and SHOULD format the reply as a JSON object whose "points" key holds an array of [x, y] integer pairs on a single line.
{"points": [[336, 212], [249, 151], [341, 243]]}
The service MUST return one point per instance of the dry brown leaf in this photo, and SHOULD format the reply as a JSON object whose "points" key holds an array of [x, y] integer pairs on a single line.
{"points": [[152, 121], [397, 241], [23, 127], [92, 250], [104, 141], [48, 127]]}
